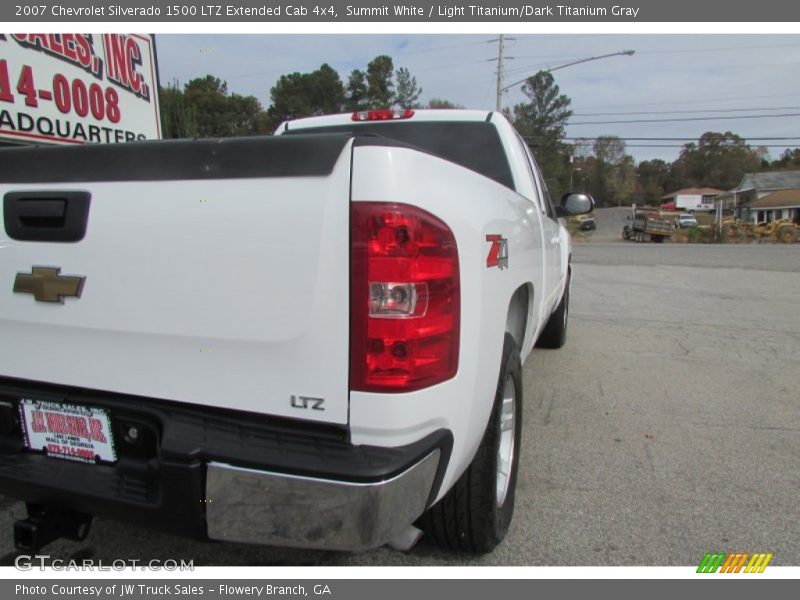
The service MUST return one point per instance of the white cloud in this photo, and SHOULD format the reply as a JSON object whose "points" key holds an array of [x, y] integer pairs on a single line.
{"points": [[667, 73]]}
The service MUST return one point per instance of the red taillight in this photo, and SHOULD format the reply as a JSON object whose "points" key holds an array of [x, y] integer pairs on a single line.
{"points": [[383, 114], [405, 307]]}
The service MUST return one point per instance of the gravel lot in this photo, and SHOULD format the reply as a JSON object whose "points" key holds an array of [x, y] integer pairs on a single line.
{"points": [[667, 427]]}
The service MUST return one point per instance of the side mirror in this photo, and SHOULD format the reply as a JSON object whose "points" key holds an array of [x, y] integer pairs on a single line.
{"points": [[574, 203]]}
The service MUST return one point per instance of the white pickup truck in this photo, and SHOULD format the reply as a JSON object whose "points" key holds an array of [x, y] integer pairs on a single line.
{"points": [[312, 339]]}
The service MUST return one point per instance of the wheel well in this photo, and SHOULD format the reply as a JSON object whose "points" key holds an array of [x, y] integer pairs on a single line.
{"points": [[518, 310]]}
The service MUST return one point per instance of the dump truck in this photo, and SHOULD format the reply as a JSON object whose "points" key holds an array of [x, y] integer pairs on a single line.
{"points": [[646, 224]]}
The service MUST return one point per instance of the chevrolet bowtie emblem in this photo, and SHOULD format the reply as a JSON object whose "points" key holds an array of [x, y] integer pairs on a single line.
{"points": [[47, 285]]}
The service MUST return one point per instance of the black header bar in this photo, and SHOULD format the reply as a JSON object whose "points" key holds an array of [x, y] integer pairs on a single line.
{"points": [[412, 11]]}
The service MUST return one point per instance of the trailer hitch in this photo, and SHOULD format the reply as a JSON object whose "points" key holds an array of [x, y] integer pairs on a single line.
{"points": [[46, 524]]}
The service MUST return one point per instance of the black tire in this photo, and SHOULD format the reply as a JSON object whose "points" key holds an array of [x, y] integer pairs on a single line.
{"points": [[554, 334], [787, 234], [471, 517]]}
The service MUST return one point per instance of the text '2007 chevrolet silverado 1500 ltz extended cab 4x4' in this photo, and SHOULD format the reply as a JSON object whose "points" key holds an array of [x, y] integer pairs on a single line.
{"points": [[312, 339]]}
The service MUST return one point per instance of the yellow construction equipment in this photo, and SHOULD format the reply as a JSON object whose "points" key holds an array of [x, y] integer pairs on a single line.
{"points": [[782, 230]]}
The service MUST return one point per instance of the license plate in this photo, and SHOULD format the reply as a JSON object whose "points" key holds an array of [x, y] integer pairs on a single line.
{"points": [[81, 433]]}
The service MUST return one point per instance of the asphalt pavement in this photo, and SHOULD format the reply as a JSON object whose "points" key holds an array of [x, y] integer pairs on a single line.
{"points": [[667, 427]]}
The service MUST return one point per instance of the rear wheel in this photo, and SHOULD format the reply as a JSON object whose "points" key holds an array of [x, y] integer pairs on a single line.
{"points": [[475, 514], [787, 234]]}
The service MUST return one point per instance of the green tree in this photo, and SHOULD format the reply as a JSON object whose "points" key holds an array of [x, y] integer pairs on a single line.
{"points": [[356, 93], [327, 90], [178, 119], [653, 179], [581, 149], [609, 149], [207, 97], [306, 94], [219, 114], [541, 123], [790, 159], [613, 174], [245, 115], [380, 92], [717, 160], [442, 103], [408, 92], [623, 182]]}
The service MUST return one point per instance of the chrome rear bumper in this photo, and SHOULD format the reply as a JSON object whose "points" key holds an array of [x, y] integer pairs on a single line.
{"points": [[252, 506]]}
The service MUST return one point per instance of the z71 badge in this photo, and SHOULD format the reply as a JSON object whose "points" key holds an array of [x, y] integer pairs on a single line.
{"points": [[498, 252]]}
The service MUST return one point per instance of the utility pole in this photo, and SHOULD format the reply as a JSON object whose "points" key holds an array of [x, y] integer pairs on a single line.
{"points": [[501, 58], [500, 48]]}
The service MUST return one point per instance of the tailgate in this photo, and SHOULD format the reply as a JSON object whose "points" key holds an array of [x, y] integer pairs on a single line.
{"points": [[213, 272], [660, 226]]}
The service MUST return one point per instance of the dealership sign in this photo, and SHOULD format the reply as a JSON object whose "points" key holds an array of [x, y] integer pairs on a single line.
{"points": [[77, 88]]}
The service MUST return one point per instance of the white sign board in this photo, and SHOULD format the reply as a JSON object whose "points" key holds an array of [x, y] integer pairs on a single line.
{"points": [[77, 88], [81, 433]]}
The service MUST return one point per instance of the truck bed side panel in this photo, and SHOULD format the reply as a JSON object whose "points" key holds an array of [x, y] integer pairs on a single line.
{"points": [[473, 206]]}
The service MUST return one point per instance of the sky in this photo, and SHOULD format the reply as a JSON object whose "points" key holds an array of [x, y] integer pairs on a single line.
{"points": [[675, 86]]}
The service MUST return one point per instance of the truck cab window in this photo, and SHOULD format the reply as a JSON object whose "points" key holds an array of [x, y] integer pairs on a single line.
{"points": [[546, 204], [537, 196]]}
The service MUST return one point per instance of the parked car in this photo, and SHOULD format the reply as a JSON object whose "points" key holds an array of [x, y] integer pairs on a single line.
{"points": [[586, 223], [684, 220]]}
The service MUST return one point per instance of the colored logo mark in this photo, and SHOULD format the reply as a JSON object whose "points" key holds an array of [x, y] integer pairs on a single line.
{"points": [[737, 562]]}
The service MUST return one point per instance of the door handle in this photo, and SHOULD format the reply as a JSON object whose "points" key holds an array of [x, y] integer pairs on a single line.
{"points": [[46, 216]]}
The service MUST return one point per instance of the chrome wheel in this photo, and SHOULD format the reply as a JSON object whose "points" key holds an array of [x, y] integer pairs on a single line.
{"points": [[506, 449]]}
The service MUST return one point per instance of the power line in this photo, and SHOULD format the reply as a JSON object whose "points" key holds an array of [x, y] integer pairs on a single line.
{"points": [[720, 48], [682, 146], [532, 138], [460, 64], [446, 47], [665, 139], [362, 60], [529, 68], [705, 68], [678, 51], [697, 101], [685, 119], [678, 112], [550, 56], [681, 69], [673, 139]]}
